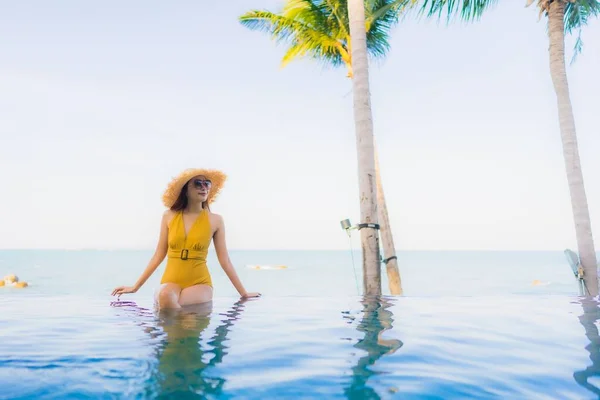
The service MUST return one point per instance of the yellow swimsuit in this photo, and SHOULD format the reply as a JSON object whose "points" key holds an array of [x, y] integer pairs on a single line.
{"points": [[186, 256]]}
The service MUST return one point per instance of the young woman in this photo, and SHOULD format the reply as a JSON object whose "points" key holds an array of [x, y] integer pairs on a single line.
{"points": [[187, 229]]}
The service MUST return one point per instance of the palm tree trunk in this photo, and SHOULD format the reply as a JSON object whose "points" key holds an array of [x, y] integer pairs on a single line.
{"points": [[389, 251], [581, 215], [365, 148]]}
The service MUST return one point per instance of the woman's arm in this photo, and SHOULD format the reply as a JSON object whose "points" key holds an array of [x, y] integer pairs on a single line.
{"points": [[223, 256], [159, 255]]}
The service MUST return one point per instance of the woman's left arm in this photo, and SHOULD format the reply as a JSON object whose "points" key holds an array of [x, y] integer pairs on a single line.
{"points": [[223, 256]]}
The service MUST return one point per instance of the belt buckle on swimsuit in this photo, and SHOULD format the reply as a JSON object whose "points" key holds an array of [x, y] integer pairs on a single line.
{"points": [[184, 254]]}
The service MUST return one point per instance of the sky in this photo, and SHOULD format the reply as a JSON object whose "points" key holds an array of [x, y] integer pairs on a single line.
{"points": [[102, 103]]}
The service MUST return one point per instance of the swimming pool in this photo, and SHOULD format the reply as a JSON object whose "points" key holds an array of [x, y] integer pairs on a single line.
{"points": [[66, 344], [423, 348]]}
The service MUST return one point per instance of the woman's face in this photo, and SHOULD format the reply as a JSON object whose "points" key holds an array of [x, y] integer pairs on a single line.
{"points": [[198, 189]]}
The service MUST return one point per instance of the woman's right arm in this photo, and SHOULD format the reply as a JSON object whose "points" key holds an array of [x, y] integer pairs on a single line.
{"points": [[159, 255]]}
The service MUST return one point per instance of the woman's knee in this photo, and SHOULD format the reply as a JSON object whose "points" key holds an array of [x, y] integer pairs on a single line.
{"points": [[168, 296]]}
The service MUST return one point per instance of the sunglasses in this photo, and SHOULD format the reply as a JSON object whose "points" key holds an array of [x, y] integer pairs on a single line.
{"points": [[200, 183]]}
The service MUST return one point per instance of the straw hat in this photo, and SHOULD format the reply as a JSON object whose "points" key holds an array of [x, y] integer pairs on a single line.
{"points": [[174, 188]]}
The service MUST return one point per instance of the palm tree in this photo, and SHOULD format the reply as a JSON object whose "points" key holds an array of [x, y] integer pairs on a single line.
{"points": [[363, 121], [345, 33], [564, 16]]}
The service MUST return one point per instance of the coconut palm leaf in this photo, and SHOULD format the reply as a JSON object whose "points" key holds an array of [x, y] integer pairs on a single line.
{"points": [[576, 17], [319, 29], [302, 37], [578, 13], [468, 10]]}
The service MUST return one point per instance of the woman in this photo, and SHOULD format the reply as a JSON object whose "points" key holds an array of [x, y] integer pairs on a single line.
{"points": [[187, 229]]}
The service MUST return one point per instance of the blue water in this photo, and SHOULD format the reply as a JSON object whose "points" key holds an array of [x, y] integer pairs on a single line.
{"points": [[471, 325]]}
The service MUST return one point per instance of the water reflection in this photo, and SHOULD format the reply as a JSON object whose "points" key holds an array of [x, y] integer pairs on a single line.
{"points": [[182, 363], [591, 314], [376, 319]]}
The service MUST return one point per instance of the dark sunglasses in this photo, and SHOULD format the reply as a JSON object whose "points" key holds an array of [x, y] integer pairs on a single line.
{"points": [[200, 183]]}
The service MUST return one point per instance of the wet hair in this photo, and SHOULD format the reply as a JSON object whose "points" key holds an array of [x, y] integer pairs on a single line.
{"points": [[182, 200]]}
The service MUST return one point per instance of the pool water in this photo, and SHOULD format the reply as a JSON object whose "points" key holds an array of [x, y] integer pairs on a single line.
{"points": [[422, 348], [68, 339]]}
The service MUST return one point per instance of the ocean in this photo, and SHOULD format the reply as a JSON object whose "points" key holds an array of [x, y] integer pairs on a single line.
{"points": [[469, 325]]}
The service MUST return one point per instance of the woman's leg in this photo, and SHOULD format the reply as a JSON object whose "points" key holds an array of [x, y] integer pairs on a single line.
{"points": [[167, 296], [195, 295]]}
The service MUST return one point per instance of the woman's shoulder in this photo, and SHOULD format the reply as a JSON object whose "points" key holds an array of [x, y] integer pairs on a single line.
{"points": [[215, 218], [169, 213], [168, 216]]}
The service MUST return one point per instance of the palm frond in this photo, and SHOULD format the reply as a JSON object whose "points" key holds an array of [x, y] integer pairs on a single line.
{"points": [[577, 15], [308, 12], [320, 28], [380, 18], [302, 38], [299, 50], [376, 10], [467, 10], [338, 9]]}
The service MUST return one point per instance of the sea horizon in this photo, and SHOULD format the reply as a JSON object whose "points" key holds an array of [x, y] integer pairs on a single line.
{"points": [[286, 249]]}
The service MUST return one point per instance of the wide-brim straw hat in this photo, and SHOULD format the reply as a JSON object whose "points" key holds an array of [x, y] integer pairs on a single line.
{"points": [[173, 190]]}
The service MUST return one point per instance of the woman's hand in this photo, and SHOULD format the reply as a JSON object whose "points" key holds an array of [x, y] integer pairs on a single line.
{"points": [[123, 289], [249, 295]]}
